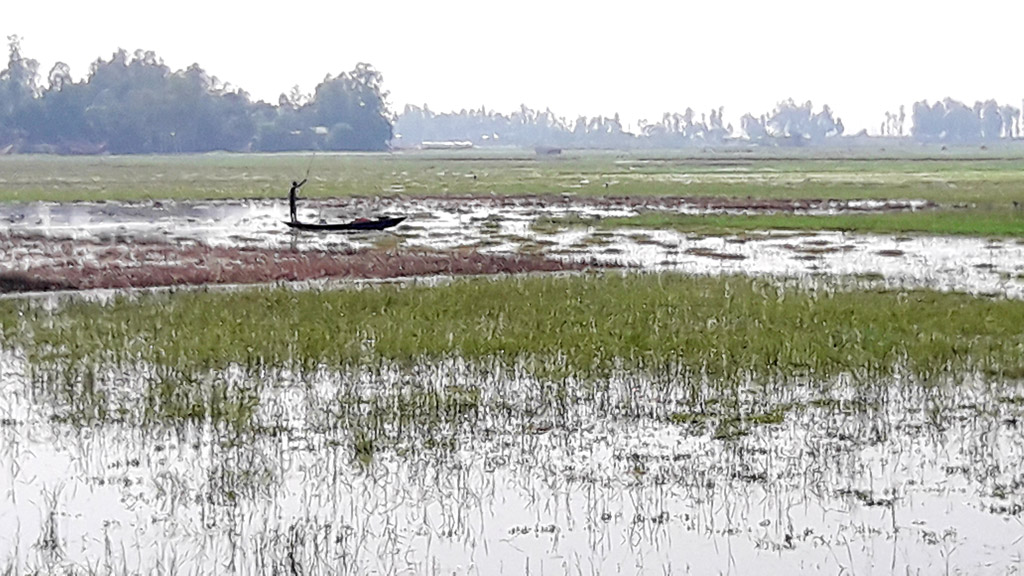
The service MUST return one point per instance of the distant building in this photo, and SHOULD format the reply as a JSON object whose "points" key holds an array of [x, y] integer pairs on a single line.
{"points": [[446, 145]]}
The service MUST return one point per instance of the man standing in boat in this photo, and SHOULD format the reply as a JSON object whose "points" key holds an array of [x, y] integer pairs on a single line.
{"points": [[293, 195]]}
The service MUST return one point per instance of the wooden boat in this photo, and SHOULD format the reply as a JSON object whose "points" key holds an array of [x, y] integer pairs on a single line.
{"points": [[380, 223]]}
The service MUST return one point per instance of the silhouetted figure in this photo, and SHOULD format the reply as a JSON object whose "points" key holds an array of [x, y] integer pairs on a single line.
{"points": [[293, 195]]}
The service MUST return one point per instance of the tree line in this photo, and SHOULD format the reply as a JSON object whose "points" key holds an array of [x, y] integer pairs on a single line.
{"points": [[788, 124], [135, 104]]}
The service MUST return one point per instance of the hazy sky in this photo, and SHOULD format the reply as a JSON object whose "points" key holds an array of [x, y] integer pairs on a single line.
{"points": [[639, 58]]}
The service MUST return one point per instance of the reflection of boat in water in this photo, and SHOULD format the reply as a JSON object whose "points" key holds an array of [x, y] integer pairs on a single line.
{"points": [[380, 223]]}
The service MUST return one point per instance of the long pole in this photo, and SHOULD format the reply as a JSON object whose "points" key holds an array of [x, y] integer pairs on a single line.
{"points": [[320, 213], [310, 165]]}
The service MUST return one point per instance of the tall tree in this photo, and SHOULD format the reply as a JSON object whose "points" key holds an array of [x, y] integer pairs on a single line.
{"points": [[19, 86], [927, 121], [754, 128], [1011, 121], [990, 120], [353, 107], [799, 124]]}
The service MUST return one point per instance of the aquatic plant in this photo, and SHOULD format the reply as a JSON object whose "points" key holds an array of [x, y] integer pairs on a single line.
{"points": [[727, 327], [388, 427]]}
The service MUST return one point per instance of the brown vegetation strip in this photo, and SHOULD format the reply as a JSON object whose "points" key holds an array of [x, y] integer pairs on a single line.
{"points": [[152, 265]]}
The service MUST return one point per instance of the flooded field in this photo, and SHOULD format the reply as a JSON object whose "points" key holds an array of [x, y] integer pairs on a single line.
{"points": [[507, 226], [777, 402], [342, 432], [451, 468]]}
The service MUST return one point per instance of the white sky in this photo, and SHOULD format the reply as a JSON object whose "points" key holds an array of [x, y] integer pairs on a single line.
{"points": [[639, 58]]}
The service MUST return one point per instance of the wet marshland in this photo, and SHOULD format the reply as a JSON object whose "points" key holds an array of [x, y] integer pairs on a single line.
{"points": [[634, 424], [515, 226], [772, 402]]}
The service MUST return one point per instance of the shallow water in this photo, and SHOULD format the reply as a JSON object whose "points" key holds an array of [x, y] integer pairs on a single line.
{"points": [[947, 263], [881, 477], [358, 472]]}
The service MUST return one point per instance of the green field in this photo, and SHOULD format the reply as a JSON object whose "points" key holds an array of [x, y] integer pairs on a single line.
{"points": [[984, 178], [734, 353]]}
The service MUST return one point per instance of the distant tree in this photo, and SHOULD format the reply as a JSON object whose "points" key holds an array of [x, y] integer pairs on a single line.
{"points": [[666, 133], [59, 77], [675, 129], [124, 96], [19, 86], [283, 128], [927, 121], [63, 104], [990, 120], [954, 122], [894, 122], [294, 99], [717, 131], [354, 108], [888, 127], [524, 127], [1011, 121], [133, 103], [136, 104], [962, 124], [201, 114], [799, 124], [754, 128]]}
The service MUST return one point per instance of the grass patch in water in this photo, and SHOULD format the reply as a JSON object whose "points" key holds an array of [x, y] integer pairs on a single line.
{"points": [[695, 347], [725, 327]]}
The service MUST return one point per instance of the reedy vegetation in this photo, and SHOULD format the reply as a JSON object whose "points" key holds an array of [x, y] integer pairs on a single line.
{"points": [[423, 367], [581, 326]]}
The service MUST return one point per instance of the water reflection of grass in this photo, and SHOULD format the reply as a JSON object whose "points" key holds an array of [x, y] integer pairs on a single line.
{"points": [[962, 222]]}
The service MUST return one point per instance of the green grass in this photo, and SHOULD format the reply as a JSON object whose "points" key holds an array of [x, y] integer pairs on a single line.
{"points": [[983, 177], [434, 365], [964, 222], [727, 328]]}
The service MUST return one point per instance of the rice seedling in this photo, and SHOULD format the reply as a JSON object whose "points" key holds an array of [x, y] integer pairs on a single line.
{"points": [[507, 421], [726, 327]]}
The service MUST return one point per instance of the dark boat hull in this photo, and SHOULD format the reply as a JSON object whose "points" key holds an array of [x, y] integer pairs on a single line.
{"points": [[378, 224]]}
